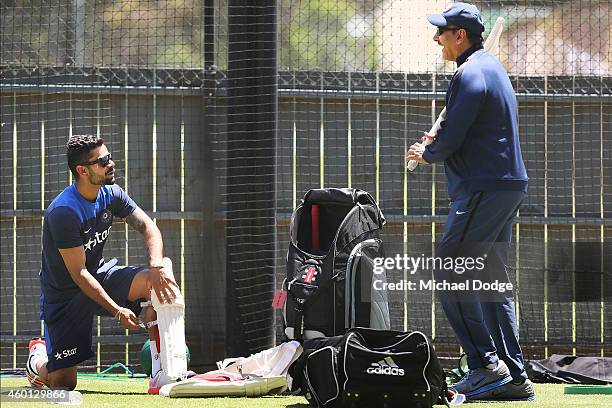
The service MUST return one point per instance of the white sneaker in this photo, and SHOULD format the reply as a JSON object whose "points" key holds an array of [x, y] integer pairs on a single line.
{"points": [[157, 381], [160, 379], [38, 350]]}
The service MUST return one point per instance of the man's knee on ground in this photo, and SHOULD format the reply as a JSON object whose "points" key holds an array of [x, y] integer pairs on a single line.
{"points": [[65, 379], [70, 386], [63, 384]]}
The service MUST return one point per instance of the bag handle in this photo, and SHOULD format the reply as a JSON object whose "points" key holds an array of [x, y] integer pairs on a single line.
{"points": [[346, 196]]}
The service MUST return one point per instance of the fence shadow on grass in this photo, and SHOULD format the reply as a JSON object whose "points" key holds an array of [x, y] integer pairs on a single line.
{"points": [[95, 392]]}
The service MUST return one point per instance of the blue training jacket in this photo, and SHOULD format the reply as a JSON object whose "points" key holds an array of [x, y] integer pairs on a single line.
{"points": [[478, 140]]}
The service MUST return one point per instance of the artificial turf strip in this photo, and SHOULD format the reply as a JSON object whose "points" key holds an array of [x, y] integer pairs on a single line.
{"points": [[132, 394], [588, 389]]}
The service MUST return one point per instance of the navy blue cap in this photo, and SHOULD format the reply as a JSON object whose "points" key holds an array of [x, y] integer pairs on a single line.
{"points": [[461, 15]]}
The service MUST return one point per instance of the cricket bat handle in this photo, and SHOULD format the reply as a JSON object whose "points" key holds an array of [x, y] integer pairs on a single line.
{"points": [[412, 164]]}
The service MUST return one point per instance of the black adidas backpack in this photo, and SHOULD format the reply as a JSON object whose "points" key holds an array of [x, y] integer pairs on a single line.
{"points": [[335, 236]]}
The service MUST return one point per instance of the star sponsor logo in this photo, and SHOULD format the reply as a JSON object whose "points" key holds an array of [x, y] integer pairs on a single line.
{"points": [[98, 238], [65, 353]]}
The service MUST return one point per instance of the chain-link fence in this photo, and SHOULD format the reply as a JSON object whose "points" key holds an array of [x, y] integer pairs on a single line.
{"points": [[219, 154]]}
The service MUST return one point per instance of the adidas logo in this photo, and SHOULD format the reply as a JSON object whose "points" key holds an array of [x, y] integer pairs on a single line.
{"points": [[386, 366]]}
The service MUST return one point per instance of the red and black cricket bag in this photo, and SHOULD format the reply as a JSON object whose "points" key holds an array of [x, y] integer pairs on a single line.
{"points": [[335, 237]]}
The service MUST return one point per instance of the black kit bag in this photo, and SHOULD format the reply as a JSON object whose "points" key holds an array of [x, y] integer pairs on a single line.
{"points": [[560, 368], [335, 236], [372, 368]]}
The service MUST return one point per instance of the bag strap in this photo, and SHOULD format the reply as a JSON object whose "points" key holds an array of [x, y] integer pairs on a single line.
{"points": [[298, 330]]}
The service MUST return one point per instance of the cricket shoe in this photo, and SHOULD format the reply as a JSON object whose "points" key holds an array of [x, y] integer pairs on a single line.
{"points": [[37, 351], [510, 392], [160, 379], [481, 380]]}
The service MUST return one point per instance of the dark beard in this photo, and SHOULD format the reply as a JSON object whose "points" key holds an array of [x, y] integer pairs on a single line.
{"points": [[100, 181]]}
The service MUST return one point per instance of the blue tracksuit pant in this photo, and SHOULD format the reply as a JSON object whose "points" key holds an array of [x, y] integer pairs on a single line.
{"points": [[485, 326]]}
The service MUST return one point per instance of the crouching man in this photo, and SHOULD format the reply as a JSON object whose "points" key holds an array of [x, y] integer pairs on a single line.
{"points": [[77, 284]]}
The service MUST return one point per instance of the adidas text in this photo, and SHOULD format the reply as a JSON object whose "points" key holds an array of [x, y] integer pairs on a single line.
{"points": [[386, 371]]}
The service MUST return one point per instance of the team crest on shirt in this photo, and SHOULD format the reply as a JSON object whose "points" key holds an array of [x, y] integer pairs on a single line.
{"points": [[106, 216]]}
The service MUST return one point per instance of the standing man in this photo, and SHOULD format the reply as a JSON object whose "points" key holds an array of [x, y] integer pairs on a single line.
{"points": [[75, 281], [487, 181]]}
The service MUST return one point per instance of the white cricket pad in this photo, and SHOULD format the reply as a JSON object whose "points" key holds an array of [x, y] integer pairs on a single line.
{"points": [[267, 363], [171, 325], [224, 386], [259, 374]]}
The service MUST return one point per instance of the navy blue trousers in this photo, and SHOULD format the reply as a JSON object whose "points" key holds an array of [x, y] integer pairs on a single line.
{"points": [[484, 322]]}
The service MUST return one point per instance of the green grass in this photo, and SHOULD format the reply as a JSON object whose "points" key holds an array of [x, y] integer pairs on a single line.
{"points": [[133, 394]]}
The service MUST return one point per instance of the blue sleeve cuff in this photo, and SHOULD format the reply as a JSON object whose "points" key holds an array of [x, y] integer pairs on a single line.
{"points": [[427, 156]]}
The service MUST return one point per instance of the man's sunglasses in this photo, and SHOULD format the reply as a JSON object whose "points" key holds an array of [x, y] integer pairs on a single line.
{"points": [[102, 161], [442, 30]]}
